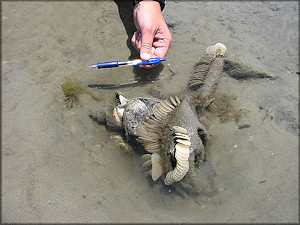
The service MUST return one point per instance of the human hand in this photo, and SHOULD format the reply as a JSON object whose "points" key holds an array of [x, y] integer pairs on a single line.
{"points": [[152, 38]]}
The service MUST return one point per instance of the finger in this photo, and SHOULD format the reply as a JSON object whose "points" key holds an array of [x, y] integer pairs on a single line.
{"points": [[146, 45], [138, 41], [153, 50], [134, 37], [134, 40], [161, 46]]}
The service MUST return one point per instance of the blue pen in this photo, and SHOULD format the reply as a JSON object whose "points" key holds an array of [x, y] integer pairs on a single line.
{"points": [[135, 62]]}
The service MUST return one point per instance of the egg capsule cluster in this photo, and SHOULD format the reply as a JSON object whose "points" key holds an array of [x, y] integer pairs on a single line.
{"points": [[148, 133], [203, 66], [182, 153]]}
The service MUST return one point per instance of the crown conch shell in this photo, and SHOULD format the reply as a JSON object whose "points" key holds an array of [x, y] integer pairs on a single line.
{"points": [[218, 49]]}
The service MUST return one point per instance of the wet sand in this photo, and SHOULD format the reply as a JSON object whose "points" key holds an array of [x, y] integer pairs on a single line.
{"points": [[60, 166]]}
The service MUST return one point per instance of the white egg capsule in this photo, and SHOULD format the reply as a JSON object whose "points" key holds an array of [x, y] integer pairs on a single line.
{"points": [[218, 49]]}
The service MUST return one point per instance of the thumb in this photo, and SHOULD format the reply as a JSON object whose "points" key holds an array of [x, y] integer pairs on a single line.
{"points": [[146, 46]]}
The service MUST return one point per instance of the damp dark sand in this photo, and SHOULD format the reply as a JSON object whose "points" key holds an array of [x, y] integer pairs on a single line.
{"points": [[60, 166]]}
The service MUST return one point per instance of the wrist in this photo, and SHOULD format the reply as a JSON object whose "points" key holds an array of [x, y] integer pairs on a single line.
{"points": [[147, 9], [161, 3]]}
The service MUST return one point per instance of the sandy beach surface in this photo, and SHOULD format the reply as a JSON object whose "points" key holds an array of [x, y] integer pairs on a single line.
{"points": [[58, 165]]}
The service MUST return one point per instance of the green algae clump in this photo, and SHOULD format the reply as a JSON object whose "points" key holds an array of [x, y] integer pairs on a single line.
{"points": [[241, 71], [225, 108], [72, 89]]}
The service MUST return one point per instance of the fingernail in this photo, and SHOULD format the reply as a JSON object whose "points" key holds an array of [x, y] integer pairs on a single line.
{"points": [[145, 56]]}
